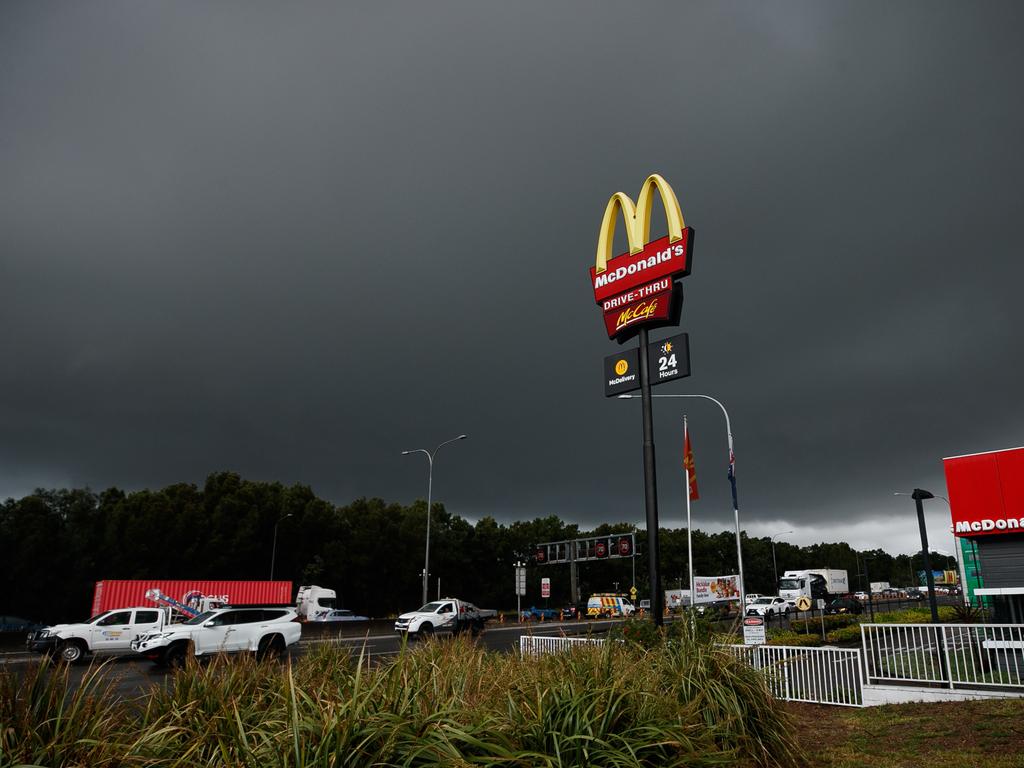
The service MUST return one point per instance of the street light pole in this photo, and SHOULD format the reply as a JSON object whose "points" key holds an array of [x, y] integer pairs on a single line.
{"points": [[430, 488], [732, 477], [775, 568], [273, 551]]}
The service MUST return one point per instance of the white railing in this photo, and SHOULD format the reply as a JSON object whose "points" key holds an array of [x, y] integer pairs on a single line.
{"points": [[816, 675], [534, 645], [954, 655]]}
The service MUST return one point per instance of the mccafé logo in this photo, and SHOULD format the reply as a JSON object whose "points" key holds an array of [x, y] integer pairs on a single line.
{"points": [[636, 313], [637, 288]]}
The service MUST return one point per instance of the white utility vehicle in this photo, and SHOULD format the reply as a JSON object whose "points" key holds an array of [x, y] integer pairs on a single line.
{"points": [[263, 631], [448, 615], [108, 632], [815, 583]]}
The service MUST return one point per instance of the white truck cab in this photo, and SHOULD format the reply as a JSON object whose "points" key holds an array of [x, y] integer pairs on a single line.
{"points": [[108, 632], [314, 603]]}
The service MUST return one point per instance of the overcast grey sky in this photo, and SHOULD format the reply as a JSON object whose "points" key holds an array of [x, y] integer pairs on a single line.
{"points": [[293, 239]]}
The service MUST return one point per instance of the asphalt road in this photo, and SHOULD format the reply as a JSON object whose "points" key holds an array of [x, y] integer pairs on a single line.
{"points": [[133, 677]]}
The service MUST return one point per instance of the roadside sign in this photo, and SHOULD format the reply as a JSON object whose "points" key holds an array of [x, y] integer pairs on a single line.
{"points": [[803, 603], [754, 631], [632, 594], [520, 581], [821, 604], [666, 360], [545, 587]]}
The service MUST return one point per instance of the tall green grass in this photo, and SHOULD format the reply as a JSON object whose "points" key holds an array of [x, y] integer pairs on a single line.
{"points": [[446, 703]]}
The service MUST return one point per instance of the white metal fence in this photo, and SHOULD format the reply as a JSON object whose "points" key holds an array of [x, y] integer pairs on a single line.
{"points": [[534, 645], [955, 655], [816, 675]]}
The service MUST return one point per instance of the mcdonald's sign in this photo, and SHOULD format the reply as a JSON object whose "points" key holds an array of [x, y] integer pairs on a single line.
{"points": [[636, 288]]}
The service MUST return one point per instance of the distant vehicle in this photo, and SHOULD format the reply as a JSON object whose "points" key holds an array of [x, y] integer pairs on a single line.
{"points": [[341, 615], [446, 616], [108, 632], [313, 603], [537, 614], [607, 604], [18, 624], [916, 594], [571, 612], [815, 583], [844, 605], [768, 606], [752, 596], [860, 595], [265, 631], [716, 609]]}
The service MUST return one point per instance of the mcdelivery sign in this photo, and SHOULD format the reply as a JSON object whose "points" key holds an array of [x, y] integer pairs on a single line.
{"points": [[636, 288]]}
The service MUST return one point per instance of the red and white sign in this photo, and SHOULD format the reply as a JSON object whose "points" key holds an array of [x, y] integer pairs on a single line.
{"points": [[658, 259], [545, 587], [656, 307], [986, 492]]}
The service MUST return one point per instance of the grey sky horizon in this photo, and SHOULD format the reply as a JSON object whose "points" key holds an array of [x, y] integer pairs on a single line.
{"points": [[294, 240]]}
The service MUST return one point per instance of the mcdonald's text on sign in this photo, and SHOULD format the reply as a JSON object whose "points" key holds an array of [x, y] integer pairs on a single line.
{"points": [[637, 289]]}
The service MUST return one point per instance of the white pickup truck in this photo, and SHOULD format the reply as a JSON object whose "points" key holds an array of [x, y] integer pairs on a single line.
{"points": [[108, 632], [448, 615], [265, 631]]}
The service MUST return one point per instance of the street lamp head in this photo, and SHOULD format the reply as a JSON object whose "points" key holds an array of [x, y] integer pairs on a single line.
{"points": [[462, 437], [406, 453], [920, 493]]}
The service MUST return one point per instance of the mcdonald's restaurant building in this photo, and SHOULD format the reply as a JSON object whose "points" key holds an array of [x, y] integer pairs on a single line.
{"points": [[986, 500]]}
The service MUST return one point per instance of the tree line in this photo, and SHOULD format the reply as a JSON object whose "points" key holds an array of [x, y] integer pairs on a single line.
{"points": [[57, 543]]}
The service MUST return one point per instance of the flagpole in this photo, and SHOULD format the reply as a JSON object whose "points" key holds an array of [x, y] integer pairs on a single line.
{"points": [[689, 525]]}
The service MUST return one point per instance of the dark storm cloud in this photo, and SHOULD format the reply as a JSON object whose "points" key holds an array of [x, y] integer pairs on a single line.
{"points": [[295, 240]]}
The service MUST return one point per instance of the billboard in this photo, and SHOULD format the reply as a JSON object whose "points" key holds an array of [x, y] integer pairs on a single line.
{"points": [[986, 492], [707, 589]]}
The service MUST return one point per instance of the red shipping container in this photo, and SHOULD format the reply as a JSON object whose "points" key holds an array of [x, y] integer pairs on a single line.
{"points": [[115, 593]]}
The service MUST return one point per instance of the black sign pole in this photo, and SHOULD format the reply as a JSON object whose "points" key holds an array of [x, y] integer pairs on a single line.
{"points": [[650, 485]]}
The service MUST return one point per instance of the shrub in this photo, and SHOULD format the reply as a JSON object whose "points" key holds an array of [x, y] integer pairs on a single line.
{"points": [[683, 703]]}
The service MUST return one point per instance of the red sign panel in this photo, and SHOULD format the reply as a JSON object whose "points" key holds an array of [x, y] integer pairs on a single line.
{"points": [[658, 259], [656, 307], [986, 492], [625, 547]]}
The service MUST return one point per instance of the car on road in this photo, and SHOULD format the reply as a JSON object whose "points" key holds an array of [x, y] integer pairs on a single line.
{"points": [[109, 632], [266, 631], [916, 594], [769, 606], [860, 596], [751, 597], [716, 609], [573, 612], [533, 613], [342, 615], [844, 605]]}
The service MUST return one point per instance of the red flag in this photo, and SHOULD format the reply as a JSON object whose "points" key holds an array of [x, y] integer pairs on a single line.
{"points": [[688, 463]]}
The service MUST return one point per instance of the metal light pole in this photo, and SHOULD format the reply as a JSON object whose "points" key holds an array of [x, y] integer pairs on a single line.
{"points": [[918, 496], [430, 489], [732, 476], [273, 551], [775, 568]]}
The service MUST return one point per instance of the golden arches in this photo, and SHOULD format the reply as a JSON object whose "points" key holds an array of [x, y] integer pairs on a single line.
{"points": [[638, 219]]}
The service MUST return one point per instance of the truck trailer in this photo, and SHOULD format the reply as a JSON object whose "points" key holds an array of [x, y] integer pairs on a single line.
{"points": [[112, 594]]}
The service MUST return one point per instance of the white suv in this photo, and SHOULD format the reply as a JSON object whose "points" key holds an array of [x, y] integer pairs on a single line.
{"points": [[264, 631]]}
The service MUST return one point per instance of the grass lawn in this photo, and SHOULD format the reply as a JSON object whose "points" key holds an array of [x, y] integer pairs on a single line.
{"points": [[970, 734]]}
